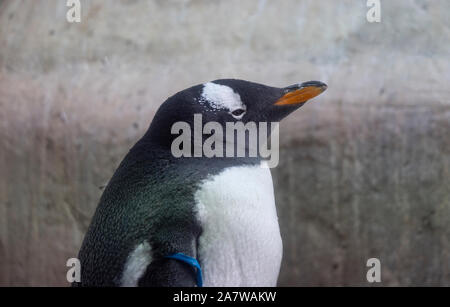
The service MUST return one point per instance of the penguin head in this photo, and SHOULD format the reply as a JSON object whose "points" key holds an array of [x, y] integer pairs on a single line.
{"points": [[238, 100], [231, 100]]}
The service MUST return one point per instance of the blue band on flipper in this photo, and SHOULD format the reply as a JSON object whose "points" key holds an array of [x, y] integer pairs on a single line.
{"points": [[192, 262]]}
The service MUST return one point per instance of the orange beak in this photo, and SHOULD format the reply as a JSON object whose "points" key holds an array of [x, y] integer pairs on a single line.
{"points": [[301, 93]]}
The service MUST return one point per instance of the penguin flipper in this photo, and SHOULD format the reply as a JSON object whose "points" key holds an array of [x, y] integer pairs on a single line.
{"points": [[178, 237], [168, 272]]}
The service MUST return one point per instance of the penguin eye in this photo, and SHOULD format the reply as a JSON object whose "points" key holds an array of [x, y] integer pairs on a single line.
{"points": [[238, 113]]}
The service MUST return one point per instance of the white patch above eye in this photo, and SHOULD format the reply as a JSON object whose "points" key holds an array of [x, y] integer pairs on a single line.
{"points": [[221, 97]]}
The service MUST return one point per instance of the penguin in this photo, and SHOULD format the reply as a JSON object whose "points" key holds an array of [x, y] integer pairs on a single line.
{"points": [[169, 221]]}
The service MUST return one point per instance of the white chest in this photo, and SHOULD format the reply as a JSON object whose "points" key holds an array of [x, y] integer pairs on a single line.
{"points": [[240, 244]]}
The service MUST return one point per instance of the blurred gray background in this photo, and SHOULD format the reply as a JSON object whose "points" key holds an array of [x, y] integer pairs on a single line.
{"points": [[364, 168]]}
